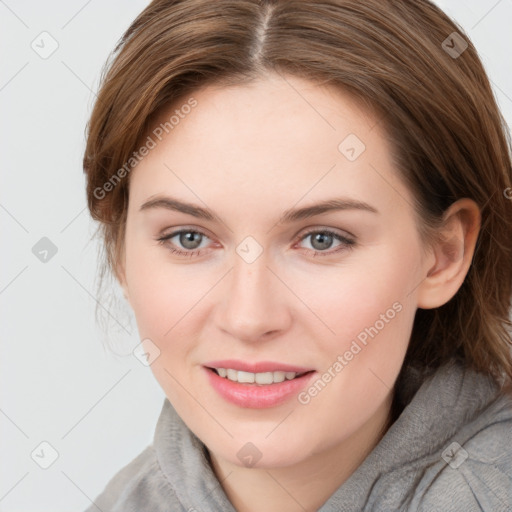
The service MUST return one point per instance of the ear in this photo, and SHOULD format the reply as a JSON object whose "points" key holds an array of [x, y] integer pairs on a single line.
{"points": [[452, 254]]}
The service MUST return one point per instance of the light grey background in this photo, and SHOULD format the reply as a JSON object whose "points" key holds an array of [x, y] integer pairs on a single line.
{"points": [[98, 410]]}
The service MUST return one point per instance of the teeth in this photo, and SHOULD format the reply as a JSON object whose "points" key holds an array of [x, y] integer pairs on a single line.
{"points": [[263, 378], [246, 377], [280, 376]]}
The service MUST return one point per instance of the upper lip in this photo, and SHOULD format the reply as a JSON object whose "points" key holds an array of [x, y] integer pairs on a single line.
{"points": [[258, 367]]}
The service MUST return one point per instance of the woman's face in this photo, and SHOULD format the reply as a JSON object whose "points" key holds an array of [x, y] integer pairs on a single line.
{"points": [[258, 285]]}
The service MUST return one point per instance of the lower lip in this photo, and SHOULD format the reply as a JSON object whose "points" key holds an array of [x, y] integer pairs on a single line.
{"points": [[257, 396]]}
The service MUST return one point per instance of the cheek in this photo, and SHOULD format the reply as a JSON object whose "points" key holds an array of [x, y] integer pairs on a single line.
{"points": [[373, 321], [349, 300], [359, 300], [166, 298], [155, 294]]}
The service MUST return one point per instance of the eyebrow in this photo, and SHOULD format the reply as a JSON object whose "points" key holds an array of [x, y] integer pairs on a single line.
{"points": [[289, 216]]}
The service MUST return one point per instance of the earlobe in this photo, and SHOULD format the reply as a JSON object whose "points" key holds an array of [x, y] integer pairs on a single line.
{"points": [[453, 254]]}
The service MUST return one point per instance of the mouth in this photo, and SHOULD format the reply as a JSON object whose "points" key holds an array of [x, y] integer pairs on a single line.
{"points": [[257, 385], [258, 379]]}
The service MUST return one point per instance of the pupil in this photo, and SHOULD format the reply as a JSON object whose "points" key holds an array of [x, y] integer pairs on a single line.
{"points": [[189, 238], [322, 237]]}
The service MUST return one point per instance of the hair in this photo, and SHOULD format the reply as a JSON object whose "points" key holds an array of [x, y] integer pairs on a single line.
{"points": [[449, 138]]}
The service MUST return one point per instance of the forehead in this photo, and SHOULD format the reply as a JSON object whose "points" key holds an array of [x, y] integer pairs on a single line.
{"points": [[270, 142]]}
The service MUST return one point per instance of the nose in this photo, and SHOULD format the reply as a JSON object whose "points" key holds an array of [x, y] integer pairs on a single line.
{"points": [[253, 307]]}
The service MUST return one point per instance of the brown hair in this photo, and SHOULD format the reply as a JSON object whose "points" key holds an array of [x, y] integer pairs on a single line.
{"points": [[448, 135]]}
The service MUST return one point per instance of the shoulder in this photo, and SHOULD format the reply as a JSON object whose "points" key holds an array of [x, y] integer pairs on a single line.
{"points": [[473, 470], [136, 486]]}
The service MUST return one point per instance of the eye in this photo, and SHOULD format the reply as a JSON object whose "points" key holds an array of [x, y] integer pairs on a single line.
{"points": [[188, 238], [321, 240]]}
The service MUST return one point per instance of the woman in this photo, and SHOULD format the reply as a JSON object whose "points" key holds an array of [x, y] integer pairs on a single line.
{"points": [[307, 205]]}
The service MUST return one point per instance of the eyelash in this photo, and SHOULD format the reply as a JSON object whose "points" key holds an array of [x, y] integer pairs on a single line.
{"points": [[348, 244]]}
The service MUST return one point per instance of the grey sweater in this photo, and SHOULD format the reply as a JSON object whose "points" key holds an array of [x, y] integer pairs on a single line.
{"points": [[449, 450]]}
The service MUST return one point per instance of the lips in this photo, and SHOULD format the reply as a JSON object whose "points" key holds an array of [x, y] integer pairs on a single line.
{"points": [[252, 394], [259, 367]]}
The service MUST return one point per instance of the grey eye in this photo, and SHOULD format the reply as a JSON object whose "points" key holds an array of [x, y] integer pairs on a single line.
{"points": [[190, 239], [321, 241]]}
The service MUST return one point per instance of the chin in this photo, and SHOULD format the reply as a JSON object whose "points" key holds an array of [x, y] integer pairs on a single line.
{"points": [[262, 455]]}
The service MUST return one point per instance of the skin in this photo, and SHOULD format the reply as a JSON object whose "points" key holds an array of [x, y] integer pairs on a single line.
{"points": [[249, 153]]}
